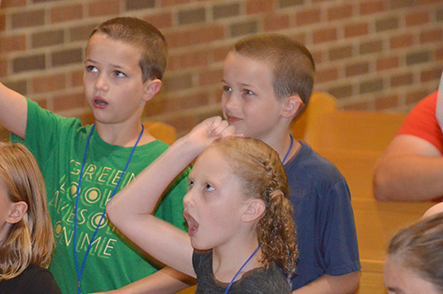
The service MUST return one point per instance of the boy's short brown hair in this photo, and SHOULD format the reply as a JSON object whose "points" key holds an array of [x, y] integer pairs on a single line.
{"points": [[291, 63], [144, 36]]}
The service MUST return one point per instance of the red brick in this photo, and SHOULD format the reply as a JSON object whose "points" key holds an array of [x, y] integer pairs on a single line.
{"points": [[76, 78], [48, 83], [324, 35], [27, 18], [211, 77], [12, 3], [259, 6], [165, 3], [359, 105], [431, 36], [386, 102], [340, 12], [415, 96], [178, 82], [182, 123], [66, 13], [326, 75], [404, 79], [193, 36], [385, 63], [12, 44], [300, 37], [318, 56], [2, 21], [341, 91], [400, 41], [341, 52], [160, 20], [219, 53], [276, 22], [104, 7], [188, 60], [355, 30], [417, 18], [372, 7], [428, 75], [69, 102], [3, 68], [359, 68], [306, 17], [439, 53]]}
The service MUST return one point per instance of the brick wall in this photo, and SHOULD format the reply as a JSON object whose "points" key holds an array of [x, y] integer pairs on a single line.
{"points": [[370, 54]]}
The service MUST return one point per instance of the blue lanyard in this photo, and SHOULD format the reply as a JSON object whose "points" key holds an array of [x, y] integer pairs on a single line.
{"points": [[79, 272], [289, 149], [250, 257]]}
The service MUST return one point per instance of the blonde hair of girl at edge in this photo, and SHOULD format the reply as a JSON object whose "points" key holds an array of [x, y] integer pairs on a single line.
{"points": [[25, 229], [237, 210]]}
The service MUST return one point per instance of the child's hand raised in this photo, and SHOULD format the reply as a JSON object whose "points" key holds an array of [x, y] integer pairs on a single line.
{"points": [[210, 130]]}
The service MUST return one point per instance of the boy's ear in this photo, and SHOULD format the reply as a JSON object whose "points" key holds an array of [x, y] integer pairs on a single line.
{"points": [[152, 87], [255, 209], [17, 212], [291, 106]]}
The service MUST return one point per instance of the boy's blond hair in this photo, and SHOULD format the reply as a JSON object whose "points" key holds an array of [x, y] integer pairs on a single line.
{"points": [[291, 63], [145, 37], [30, 241]]}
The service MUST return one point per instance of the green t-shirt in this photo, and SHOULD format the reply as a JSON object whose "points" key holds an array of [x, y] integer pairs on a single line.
{"points": [[58, 143]]}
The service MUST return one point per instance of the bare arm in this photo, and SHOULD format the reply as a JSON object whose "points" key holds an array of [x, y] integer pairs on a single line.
{"points": [[410, 169], [436, 209], [131, 209], [165, 281], [326, 284], [13, 111]]}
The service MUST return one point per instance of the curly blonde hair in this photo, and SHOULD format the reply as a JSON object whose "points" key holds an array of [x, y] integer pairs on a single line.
{"points": [[30, 241], [261, 171]]}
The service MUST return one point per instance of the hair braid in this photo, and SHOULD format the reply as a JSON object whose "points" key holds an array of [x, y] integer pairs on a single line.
{"points": [[276, 229]]}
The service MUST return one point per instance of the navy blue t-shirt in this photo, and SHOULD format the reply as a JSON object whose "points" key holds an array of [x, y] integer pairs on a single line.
{"points": [[324, 217]]}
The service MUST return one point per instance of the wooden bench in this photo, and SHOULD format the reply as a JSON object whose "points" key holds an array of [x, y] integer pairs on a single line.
{"points": [[353, 141]]}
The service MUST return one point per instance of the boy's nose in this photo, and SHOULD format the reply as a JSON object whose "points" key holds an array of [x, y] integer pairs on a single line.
{"points": [[230, 102], [101, 84]]}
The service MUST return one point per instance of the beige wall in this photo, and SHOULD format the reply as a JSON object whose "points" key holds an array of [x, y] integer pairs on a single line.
{"points": [[370, 54]]}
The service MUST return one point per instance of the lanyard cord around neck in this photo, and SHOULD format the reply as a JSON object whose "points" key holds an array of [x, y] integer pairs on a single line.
{"points": [[289, 149], [250, 257], [80, 271]]}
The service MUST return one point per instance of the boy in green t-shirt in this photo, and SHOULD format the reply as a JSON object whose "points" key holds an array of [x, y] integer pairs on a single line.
{"points": [[84, 166]]}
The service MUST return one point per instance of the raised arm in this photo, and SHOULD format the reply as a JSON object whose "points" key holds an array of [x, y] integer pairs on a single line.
{"points": [[13, 111], [410, 169], [131, 209]]}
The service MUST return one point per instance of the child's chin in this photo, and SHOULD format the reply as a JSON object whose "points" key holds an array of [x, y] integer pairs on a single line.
{"points": [[199, 246]]}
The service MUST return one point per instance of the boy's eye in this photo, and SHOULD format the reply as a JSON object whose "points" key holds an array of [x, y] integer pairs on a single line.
{"points": [[227, 89], [91, 68], [248, 92], [208, 187], [119, 74], [190, 185]]}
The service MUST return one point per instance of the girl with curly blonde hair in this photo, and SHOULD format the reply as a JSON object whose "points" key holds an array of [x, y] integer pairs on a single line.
{"points": [[239, 217], [26, 239]]}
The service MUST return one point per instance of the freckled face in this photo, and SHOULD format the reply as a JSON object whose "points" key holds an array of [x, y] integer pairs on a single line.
{"points": [[112, 80], [401, 280], [213, 206], [248, 100]]}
